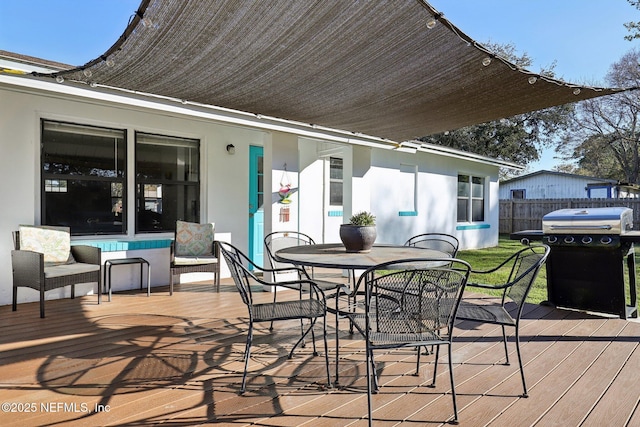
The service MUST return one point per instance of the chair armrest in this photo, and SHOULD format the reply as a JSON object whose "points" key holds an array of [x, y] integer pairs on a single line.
{"points": [[296, 285], [490, 286], [301, 271], [28, 268], [87, 254]]}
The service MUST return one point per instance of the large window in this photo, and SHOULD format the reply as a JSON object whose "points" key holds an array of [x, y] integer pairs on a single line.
{"points": [[83, 178], [470, 198], [167, 182]]}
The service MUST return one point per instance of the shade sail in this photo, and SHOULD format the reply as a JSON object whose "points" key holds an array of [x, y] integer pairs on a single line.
{"points": [[394, 69]]}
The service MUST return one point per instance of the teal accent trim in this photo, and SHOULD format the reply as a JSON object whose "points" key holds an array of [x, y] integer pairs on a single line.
{"points": [[408, 213], [473, 227], [334, 213], [124, 245]]}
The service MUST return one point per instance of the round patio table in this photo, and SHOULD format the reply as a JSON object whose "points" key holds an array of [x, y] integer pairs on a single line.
{"points": [[334, 255]]}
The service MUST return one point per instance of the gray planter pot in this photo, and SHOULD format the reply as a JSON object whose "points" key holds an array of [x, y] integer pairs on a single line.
{"points": [[357, 238]]}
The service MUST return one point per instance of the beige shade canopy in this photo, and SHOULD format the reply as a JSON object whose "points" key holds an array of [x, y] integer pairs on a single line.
{"points": [[393, 69]]}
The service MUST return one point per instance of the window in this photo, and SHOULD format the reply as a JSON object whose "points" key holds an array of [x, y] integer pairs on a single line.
{"points": [[406, 199], [83, 178], [470, 198], [518, 194], [167, 182], [335, 181]]}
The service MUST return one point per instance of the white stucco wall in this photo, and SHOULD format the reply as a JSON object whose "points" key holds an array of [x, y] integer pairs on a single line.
{"points": [[371, 175], [224, 178]]}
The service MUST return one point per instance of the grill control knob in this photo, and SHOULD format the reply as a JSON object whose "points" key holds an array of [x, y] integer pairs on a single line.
{"points": [[552, 239], [586, 240], [569, 239], [606, 240]]}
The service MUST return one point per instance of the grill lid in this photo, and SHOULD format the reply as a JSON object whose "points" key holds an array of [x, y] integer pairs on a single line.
{"points": [[612, 220]]}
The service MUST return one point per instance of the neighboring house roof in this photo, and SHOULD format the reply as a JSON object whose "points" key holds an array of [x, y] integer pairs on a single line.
{"points": [[30, 63], [391, 69], [562, 174]]}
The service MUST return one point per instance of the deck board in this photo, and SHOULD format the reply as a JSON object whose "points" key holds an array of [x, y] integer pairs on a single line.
{"points": [[177, 360]]}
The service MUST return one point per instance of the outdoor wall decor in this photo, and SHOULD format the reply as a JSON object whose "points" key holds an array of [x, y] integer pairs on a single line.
{"points": [[284, 214], [285, 187]]}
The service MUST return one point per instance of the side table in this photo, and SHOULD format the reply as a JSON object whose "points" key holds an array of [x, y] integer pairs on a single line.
{"points": [[125, 261]]}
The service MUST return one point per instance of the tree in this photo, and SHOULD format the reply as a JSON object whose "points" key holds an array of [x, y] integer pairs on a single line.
{"points": [[516, 139], [595, 159], [606, 140], [633, 27]]}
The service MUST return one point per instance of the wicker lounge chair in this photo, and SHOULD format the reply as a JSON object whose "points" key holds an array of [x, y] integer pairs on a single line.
{"points": [[193, 251], [43, 259]]}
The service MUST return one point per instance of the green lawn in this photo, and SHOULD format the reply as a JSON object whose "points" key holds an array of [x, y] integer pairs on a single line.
{"points": [[484, 259]]}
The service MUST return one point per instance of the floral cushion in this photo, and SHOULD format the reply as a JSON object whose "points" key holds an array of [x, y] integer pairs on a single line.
{"points": [[194, 239], [53, 242]]}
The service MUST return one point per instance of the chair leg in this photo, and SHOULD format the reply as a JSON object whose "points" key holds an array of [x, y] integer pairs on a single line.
{"points": [[42, 302], [247, 356], [506, 350], [417, 361], [369, 380], [376, 384], [453, 385], [524, 383], [15, 298], [326, 350], [274, 301], [435, 367], [301, 340], [170, 282]]}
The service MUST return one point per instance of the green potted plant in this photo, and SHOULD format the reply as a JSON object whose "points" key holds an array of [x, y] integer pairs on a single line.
{"points": [[360, 233]]}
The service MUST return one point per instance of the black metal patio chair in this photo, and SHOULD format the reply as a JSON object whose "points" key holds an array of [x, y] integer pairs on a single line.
{"points": [[310, 305], [285, 239], [422, 314], [523, 267], [439, 241]]}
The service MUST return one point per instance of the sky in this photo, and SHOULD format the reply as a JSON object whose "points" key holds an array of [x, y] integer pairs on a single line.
{"points": [[583, 38]]}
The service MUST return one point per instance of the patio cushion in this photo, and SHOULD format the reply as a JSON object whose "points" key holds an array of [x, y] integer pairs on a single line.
{"points": [[194, 239], [61, 270], [191, 260], [53, 242]]}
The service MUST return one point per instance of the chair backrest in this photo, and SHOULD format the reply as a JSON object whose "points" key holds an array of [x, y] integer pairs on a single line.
{"points": [[414, 296], [525, 268], [281, 240], [193, 239], [438, 241], [242, 276]]}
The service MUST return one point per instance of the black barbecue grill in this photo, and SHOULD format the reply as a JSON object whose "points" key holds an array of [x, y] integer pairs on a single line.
{"points": [[589, 251]]}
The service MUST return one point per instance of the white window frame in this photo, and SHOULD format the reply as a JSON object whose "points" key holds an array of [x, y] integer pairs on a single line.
{"points": [[470, 198]]}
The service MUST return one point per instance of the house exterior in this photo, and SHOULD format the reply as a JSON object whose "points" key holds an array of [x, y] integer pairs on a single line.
{"points": [[119, 168], [558, 185]]}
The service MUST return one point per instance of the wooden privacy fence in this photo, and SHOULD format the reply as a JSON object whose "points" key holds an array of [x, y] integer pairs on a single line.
{"points": [[518, 215]]}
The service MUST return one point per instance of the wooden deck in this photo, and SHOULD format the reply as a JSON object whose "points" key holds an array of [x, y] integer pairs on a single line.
{"points": [[177, 361]]}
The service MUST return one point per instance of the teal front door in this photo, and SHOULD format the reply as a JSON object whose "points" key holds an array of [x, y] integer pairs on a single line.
{"points": [[256, 204]]}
